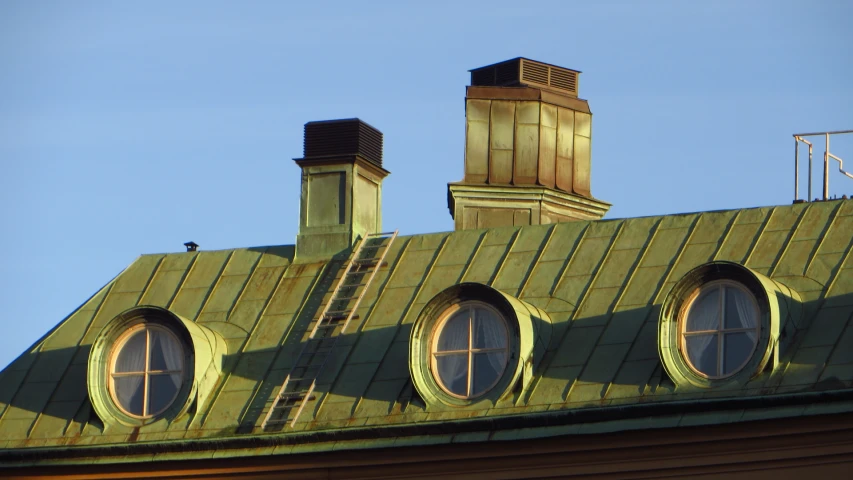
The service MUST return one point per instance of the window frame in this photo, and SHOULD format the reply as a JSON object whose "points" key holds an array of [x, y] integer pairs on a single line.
{"points": [[471, 351], [721, 331], [116, 350]]}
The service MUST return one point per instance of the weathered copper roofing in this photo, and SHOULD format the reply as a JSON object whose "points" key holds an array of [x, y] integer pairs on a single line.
{"points": [[601, 282]]}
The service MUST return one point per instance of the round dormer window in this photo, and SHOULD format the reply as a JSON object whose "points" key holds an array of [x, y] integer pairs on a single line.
{"points": [[719, 328], [470, 349], [466, 345], [149, 364], [720, 323], [147, 369]]}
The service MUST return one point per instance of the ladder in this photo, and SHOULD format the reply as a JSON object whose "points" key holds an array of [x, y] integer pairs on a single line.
{"points": [[298, 387]]}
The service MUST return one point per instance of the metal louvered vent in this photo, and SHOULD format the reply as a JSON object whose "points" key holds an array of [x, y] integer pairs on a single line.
{"points": [[348, 136], [534, 72], [483, 77], [506, 73], [520, 72], [564, 79]]}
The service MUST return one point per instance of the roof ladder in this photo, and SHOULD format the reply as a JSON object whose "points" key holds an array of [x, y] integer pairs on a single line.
{"points": [[298, 387]]}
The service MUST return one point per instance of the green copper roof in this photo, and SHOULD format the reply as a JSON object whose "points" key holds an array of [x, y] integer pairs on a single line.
{"points": [[601, 282]]}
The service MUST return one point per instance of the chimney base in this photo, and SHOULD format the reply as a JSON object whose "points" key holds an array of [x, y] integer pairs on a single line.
{"points": [[341, 199], [486, 206]]}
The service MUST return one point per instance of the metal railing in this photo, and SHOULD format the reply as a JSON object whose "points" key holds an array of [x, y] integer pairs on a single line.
{"points": [[798, 137]]}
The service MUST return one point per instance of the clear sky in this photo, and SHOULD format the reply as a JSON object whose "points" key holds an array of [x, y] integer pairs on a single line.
{"points": [[132, 127]]}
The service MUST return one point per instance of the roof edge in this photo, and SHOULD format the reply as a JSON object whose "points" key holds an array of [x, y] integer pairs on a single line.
{"points": [[124, 452]]}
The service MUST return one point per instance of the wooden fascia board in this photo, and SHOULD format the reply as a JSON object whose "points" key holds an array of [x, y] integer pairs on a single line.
{"points": [[717, 449]]}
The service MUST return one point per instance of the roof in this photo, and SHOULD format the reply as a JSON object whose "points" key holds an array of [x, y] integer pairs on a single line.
{"points": [[601, 282]]}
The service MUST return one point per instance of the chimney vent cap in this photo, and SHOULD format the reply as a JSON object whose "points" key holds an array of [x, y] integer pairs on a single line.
{"points": [[342, 137], [516, 59], [521, 72]]}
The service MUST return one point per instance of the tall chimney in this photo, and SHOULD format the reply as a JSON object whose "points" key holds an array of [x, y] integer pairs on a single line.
{"points": [[527, 149], [341, 187]]}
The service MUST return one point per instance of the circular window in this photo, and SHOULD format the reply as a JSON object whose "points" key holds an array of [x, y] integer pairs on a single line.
{"points": [[469, 349], [719, 328], [146, 370]]}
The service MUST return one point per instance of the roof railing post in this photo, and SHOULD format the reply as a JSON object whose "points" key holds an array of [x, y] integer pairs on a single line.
{"points": [[826, 169], [796, 169], [810, 169]]}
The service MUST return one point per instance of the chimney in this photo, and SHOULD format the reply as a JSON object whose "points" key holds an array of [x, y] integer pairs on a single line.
{"points": [[341, 187], [527, 149]]}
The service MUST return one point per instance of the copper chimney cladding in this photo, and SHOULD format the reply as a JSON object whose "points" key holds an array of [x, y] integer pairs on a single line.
{"points": [[341, 187], [527, 148]]}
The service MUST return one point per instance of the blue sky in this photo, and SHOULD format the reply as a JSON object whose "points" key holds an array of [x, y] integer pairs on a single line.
{"points": [[131, 127]]}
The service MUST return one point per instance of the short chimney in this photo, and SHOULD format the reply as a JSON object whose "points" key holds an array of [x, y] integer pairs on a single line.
{"points": [[527, 149], [341, 187]]}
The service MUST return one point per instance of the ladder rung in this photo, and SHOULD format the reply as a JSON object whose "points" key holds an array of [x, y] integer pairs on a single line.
{"points": [[290, 402], [318, 354], [289, 395], [343, 298], [366, 260], [353, 285], [319, 342], [280, 421], [381, 234], [340, 317], [366, 267], [302, 379], [310, 370], [321, 351], [335, 312], [363, 268], [330, 325], [310, 365]]}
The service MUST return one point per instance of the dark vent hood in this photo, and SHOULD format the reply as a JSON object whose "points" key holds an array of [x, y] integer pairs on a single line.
{"points": [[336, 138]]}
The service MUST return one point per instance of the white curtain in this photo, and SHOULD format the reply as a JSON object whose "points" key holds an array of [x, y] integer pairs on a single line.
{"points": [[131, 358], [453, 368], [173, 354], [126, 388], [487, 369], [740, 313], [489, 332], [745, 311], [453, 371], [454, 333], [704, 314], [702, 351]]}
